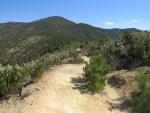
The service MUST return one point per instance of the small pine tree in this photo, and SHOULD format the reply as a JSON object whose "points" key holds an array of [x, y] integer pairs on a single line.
{"points": [[95, 73]]}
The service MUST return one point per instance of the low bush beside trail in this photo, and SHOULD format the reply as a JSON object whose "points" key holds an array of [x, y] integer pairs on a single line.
{"points": [[141, 101], [95, 73], [13, 76]]}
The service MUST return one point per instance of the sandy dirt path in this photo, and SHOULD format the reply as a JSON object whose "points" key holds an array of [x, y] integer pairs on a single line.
{"points": [[56, 93]]}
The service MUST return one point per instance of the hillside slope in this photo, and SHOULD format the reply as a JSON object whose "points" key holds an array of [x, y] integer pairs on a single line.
{"points": [[28, 41]]}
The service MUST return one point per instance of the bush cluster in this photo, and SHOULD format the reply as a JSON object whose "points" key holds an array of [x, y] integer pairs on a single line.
{"points": [[141, 101], [95, 73], [130, 51], [12, 76]]}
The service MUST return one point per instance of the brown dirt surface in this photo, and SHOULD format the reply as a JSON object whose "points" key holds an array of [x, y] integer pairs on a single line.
{"points": [[58, 92]]}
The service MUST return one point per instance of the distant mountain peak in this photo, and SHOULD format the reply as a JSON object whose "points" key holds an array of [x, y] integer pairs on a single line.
{"points": [[41, 36], [54, 19]]}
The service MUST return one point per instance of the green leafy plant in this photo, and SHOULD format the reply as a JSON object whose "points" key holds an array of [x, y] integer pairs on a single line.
{"points": [[36, 72], [130, 51], [10, 78], [141, 101], [95, 73]]}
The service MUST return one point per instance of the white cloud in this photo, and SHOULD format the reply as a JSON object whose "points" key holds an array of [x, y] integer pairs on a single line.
{"points": [[134, 21], [109, 23]]}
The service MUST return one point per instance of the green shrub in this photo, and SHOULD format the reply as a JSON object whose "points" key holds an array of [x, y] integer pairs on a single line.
{"points": [[10, 78], [130, 51], [141, 101], [95, 73], [36, 72]]}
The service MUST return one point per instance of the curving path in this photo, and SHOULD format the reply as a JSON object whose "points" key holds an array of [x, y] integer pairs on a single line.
{"points": [[56, 93]]}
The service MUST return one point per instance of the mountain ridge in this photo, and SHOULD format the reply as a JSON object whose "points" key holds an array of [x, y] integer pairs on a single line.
{"points": [[57, 23], [25, 40], [62, 18]]}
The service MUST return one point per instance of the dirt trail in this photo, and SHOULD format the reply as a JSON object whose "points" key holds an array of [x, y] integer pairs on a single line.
{"points": [[57, 93]]}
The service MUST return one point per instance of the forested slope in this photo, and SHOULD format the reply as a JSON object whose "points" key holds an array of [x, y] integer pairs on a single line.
{"points": [[25, 42]]}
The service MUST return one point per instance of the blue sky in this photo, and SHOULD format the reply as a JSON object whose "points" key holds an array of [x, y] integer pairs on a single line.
{"points": [[100, 13]]}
